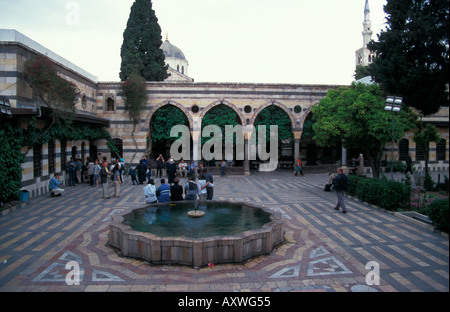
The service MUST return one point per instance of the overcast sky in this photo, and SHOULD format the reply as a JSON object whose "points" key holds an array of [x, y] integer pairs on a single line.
{"points": [[261, 41]]}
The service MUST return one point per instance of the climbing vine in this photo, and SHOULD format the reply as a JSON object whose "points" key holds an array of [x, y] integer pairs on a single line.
{"points": [[14, 138]]}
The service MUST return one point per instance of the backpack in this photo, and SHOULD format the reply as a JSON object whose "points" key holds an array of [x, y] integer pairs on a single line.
{"points": [[344, 182], [192, 189]]}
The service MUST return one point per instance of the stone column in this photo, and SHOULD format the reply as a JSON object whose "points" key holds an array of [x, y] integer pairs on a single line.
{"points": [[297, 137], [196, 140], [247, 136], [344, 156], [196, 146]]}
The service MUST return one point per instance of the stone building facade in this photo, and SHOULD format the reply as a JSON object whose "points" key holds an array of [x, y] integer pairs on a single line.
{"points": [[101, 104]]}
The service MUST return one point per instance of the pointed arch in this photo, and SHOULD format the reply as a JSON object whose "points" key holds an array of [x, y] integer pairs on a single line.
{"points": [[168, 102], [226, 103], [277, 104]]}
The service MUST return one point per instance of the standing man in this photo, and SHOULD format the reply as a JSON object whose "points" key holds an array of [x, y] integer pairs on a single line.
{"points": [[160, 163], [104, 179], [340, 185], [72, 167], [115, 171], [408, 164], [298, 167], [210, 185]]}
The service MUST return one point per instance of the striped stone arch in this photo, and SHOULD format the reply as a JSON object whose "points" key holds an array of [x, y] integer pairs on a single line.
{"points": [[226, 103], [164, 103], [274, 103]]}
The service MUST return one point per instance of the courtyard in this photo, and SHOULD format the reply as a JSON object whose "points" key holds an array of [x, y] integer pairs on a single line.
{"points": [[324, 250]]}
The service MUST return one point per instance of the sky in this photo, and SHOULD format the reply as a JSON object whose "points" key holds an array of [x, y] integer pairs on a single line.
{"points": [[254, 41]]}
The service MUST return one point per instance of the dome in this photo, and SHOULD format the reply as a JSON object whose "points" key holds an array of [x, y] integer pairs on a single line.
{"points": [[172, 51]]}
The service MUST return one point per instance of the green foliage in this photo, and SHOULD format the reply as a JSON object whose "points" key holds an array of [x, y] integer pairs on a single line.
{"points": [[142, 40], [11, 136], [356, 117], [413, 53], [399, 166], [428, 184], [274, 115], [14, 138], [54, 91], [438, 212], [362, 71], [134, 94], [163, 120], [221, 116], [384, 193]]}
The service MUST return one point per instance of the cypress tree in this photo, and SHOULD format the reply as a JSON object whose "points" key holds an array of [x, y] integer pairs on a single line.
{"points": [[413, 53], [140, 52]]}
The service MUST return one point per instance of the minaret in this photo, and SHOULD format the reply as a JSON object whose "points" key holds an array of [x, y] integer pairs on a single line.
{"points": [[367, 31], [363, 56]]}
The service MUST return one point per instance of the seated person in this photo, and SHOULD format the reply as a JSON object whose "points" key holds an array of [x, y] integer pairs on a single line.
{"points": [[176, 191], [54, 184], [163, 192]]}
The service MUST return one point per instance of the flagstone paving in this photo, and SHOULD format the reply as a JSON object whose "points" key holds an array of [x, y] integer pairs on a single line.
{"points": [[324, 250]]}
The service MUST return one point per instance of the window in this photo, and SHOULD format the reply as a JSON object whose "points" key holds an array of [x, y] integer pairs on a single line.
{"points": [[420, 152], [37, 161], [51, 158], [403, 147], [84, 101], [195, 109], [182, 70], [118, 143], [440, 150], [110, 104]]}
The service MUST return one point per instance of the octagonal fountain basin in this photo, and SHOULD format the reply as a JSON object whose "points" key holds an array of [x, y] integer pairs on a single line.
{"points": [[228, 232]]}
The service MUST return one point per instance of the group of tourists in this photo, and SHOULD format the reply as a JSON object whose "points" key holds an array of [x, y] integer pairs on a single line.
{"points": [[97, 173], [200, 185]]}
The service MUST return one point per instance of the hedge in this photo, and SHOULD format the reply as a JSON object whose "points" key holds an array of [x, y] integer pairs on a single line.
{"points": [[390, 195]]}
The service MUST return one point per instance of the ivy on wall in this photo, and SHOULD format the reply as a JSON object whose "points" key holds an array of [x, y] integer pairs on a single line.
{"points": [[14, 137]]}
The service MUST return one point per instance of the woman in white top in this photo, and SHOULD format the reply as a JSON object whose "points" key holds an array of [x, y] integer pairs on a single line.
{"points": [[150, 192]]}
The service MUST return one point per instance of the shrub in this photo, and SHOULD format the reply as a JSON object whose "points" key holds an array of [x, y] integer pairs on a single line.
{"points": [[382, 192], [438, 212], [428, 184], [399, 166]]}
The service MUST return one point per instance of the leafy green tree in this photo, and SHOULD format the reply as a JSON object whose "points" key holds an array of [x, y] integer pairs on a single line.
{"points": [[356, 117], [423, 137], [412, 53], [53, 91], [163, 120], [141, 52], [220, 116], [135, 97], [362, 71], [273, 115]]}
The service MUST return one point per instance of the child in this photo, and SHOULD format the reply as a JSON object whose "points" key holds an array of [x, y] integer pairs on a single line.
{"points": [[133, 176]]}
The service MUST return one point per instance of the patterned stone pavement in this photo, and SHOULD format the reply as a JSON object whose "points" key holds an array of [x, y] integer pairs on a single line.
{"points": [[324, 250]]}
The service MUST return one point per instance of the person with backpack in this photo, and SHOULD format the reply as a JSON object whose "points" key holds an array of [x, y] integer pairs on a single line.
{"points": [[191, 189], [340, 185]]}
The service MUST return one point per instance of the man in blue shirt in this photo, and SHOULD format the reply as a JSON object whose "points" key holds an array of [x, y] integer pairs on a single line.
{"points": [[163, 192], [54, 184]]}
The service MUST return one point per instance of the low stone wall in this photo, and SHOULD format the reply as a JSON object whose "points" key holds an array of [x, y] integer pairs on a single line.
{"points": [[195, 252]]}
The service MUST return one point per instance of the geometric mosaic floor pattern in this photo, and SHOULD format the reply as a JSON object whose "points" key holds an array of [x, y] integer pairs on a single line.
{"points": [[54, 239]]}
